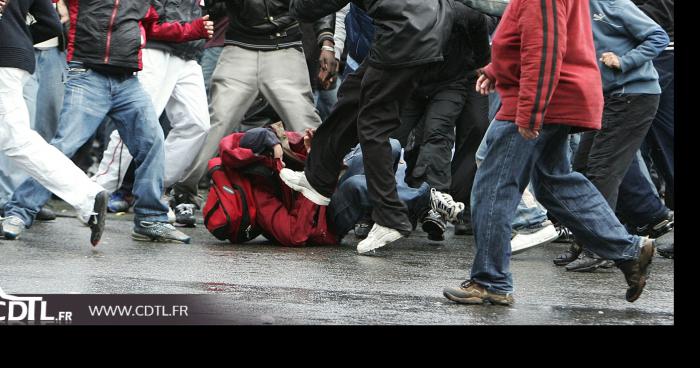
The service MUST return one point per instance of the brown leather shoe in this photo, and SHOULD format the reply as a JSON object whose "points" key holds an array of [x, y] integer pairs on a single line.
{"points": [[637, 271], [470, 292]]}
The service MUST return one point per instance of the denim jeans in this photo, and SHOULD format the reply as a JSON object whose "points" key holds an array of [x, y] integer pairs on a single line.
{"points": [[510, 163], [43, 94], [351, 201], [530, 213], [324, 100], [637, 203], [89, 97]]}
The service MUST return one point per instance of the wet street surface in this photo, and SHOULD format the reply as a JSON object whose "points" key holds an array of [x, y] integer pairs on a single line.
{"points": [[261, 283]]}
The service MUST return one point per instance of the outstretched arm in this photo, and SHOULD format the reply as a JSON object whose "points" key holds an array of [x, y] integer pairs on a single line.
{"points": [[176, 31]]}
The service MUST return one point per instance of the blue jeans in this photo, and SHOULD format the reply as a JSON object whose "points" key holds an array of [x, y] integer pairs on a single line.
{"points": [[638, 203], [324, 100], [43, 94], [351, 201], [90, 97], [528, 215], [208, 61], [512, 162]]}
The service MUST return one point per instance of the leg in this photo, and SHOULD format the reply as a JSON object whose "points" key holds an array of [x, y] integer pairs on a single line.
{"points": [[187, 111], [85, 105], [210, 57], [46, 164], [234, 88], [626, 120], [138, 126], [335, 137], [661, 134], [383, 94], [114, 165], [284, 81]]}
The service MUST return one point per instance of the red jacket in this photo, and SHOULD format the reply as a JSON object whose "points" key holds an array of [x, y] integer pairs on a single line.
{"points": [[544, 64], [282, 214]]}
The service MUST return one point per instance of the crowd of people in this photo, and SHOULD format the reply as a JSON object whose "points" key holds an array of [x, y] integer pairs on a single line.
{"points": [[517, 122]]}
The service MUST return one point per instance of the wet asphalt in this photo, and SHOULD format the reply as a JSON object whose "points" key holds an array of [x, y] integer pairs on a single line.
{"points": [[268, 284]]}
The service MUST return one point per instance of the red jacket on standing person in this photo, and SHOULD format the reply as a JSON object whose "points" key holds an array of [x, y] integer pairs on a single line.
{"points": [[545, 66]]}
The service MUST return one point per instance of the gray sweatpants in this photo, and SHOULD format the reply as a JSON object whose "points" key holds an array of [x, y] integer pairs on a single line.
{"points": [[279, 75]]}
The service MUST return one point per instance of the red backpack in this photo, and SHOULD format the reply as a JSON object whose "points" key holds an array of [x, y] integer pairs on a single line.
{"points": [[229, 213]]}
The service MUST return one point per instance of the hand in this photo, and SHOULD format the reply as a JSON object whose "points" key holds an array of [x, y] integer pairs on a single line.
{"points": [[308, 137], [277, 151], [2, 5], [485, 85], [610, 60], [528, 133], [208, 26], [62, 11]]}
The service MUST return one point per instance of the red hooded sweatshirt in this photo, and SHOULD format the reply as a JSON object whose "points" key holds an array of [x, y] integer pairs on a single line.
{"points": [[544, 64]]}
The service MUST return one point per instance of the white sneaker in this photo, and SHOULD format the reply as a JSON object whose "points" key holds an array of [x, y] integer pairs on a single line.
{"points": [[171, 216], [378, 237], [445, 205], [12, 227], [529, 238], [297, 181]]}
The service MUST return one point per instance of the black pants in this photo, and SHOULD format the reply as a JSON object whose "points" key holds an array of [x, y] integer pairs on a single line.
{"points": [[471, 128], [368, 110], [432, 120], [605, 155]]}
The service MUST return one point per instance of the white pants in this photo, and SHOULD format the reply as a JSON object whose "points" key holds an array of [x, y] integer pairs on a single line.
{"points": [[176, 86], [31, 153]]}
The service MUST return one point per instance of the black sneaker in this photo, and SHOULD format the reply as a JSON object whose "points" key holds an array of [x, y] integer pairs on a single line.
{"points": [[184, 214], [97, 221], [637, 271], [664, 244], [363, 227], [463, 226], [46, 214], [569, 256], [587, 261], [657, 228], [434, 224]]}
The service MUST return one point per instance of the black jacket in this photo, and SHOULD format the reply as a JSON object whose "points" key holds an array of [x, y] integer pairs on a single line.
{"points": [[268, 25], [468, 49], [407, 32], [178, 11], [660, 11], [17, 39]]}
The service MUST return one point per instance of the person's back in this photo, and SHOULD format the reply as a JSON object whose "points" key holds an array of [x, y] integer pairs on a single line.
{"points": [[536, 57]]}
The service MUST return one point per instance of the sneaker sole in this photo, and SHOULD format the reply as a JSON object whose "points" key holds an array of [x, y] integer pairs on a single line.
{"points": [[306, 192], [100, 208], [590, 268], [9, 236], [146, 238]]}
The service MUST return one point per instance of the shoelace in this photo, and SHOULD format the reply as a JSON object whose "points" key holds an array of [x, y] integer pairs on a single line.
{"points": [[185, 209]]}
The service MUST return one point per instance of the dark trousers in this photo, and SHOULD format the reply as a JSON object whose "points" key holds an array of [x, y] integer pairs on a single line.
{"points": [[368, 110], [471, 128], [659, 140], [605, 155], [432, 120]]}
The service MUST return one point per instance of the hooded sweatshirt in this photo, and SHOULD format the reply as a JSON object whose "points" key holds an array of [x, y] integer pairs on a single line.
{"points": [[622, 28]]}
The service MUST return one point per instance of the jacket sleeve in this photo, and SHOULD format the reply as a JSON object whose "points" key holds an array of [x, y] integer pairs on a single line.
{"points": [[543, 33], [47, 25], [475, 23], [324, 28], [290, 227], [172, 31], [653, 39], [312, 10], [339, 34]]}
